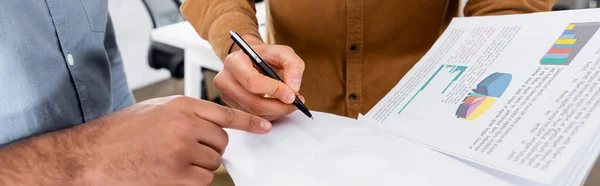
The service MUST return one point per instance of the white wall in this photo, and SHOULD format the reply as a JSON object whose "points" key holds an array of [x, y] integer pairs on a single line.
{"points": [[132, 27], [462, 7]]}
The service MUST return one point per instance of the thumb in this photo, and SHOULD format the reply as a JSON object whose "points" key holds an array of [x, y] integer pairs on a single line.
{"points": [[288, 62]]}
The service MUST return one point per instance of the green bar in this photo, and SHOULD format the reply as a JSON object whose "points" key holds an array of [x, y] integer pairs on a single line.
{"points": [[553, 61], [476, 94]]}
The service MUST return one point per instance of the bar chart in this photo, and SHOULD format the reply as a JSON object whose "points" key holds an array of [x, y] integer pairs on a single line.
{"points": [[568, 45], [442, 79], [484, 96]]}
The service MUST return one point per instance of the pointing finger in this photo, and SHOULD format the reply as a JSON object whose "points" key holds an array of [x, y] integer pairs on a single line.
{"points": [[226, 117]]}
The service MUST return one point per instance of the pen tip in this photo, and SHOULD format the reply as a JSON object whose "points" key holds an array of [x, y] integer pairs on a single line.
{"points": [[312, 118]]}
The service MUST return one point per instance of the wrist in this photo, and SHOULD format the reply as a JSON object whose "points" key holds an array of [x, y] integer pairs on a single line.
{"points": [[80, 153]]}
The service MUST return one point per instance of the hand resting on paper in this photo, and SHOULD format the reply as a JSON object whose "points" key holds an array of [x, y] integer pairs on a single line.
{"points": [[244, 87], [166, 141]]}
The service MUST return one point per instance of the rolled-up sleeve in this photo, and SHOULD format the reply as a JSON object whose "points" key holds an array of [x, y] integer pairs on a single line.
{"points": [[504, 7], [213, 19]]}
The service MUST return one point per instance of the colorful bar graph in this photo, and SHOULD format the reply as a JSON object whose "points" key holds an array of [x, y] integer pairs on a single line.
{"points": [[567, 36], [476, 94], [556, 56], [553, 61], [560, 51], [568, 45], [562, 46], [566, 41], [484, 96], [569, 32]]}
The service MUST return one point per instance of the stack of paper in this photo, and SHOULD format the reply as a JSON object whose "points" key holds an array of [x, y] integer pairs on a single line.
{"points": [[524, 101], [333, 150], [504, 100]]}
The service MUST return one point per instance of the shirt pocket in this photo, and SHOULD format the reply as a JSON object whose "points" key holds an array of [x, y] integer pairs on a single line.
{"points": [[97, 14]]}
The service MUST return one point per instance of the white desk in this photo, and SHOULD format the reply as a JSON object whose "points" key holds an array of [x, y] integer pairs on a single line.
{"points": [[198, 52]]}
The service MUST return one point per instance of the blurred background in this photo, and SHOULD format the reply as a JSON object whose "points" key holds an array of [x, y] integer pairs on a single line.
{"points": [[134, 23], [148, 32]]}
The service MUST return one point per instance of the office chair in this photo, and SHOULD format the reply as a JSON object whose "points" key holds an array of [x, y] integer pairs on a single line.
{"points": [[560, 7], [162, 13]]}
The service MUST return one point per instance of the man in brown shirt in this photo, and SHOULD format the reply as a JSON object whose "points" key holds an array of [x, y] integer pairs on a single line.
{"points": [[353, 51]]}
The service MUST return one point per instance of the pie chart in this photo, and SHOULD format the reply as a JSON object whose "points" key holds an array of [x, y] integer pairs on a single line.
{"points": [[484, 96]]}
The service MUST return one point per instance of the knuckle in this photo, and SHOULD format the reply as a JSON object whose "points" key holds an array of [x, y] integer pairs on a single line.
{"points": [[301, 65], [159, 107], [229, 59], [277, 91], [215, 162], [225, 137], [255, 108], [176, 99], [253, 84], [254, 122], [291, 109], [182, 124], [219, 80], [184, 127], [281, 90], [228, 101], [228, 113], [208, 179], [288, 48], [179, 147], [180, 127], [168, 116], [224, 141], [180, 98]]}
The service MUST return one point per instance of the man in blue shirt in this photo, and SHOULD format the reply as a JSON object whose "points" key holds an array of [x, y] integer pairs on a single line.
{"points": [[61, 79]]}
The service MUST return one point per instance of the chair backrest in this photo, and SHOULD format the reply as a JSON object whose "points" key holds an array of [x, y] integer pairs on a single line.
{"points": [[560, 6], [164, 12]]}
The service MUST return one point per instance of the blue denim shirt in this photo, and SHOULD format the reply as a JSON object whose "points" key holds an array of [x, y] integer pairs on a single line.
{"points": [[59, 66]]}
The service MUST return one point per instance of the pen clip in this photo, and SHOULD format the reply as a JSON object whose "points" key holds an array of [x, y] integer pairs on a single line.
{"points": [[246, 48]]}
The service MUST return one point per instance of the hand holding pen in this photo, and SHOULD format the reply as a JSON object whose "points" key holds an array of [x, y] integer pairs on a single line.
{"points": [[244, 86]]}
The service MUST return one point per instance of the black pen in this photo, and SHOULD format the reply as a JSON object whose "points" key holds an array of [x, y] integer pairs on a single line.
{"points": [[264, 67]]}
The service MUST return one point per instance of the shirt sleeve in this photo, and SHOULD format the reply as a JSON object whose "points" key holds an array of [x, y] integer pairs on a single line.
{"points": [[213, 19], [120, 93], [504, 7]]}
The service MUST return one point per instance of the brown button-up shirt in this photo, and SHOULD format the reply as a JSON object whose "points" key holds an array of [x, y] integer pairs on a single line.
{"points": [[355, 50]]}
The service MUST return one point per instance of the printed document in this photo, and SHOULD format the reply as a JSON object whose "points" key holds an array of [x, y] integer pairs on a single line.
{"points": [[517, 93]]}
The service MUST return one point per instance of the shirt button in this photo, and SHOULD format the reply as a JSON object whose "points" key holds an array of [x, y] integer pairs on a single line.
{"points": [[353, 97], [70, 59], [353, 47]]}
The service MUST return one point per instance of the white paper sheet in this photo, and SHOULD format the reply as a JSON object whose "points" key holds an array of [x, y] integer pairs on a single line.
{"points": [[333, 150]]}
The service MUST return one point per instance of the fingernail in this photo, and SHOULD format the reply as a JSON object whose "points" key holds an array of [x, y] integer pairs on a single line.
{"points": [[295, 84], [289, 98], [265, 125]]}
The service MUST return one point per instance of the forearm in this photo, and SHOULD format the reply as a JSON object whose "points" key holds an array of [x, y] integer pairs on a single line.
{"points": [[213, 19], [56, 158]]}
